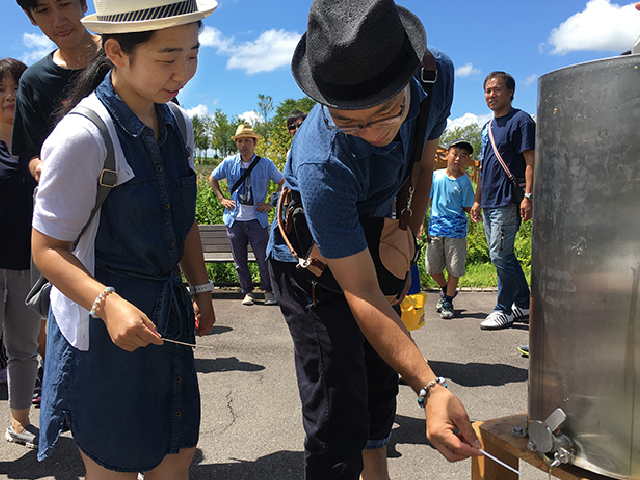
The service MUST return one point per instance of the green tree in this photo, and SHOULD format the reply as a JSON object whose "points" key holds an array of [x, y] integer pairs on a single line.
{"points": [[280, 140], [201, 137], [221, 132]]}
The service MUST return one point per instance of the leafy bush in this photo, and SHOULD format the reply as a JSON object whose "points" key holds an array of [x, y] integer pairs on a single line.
{"points": [[480, 273]]}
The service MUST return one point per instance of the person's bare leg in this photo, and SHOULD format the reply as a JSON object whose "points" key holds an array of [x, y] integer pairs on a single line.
{"points": [[452, 284], [375, 464], [439, 279], [173, 466], [96, 472], [19, 419]]}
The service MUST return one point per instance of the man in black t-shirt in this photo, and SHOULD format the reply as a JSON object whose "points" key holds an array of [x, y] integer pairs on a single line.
{"points": [[44, 86]]}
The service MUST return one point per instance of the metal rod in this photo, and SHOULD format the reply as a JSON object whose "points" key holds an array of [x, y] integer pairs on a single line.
{"points": [[499, 462], [193, 345]]}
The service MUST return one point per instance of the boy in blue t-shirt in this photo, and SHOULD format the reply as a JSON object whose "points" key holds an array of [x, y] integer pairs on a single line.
{"points": [[451, 196]]}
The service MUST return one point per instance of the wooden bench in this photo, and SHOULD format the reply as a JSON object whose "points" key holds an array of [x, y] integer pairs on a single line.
{"points": [[216, 246]]}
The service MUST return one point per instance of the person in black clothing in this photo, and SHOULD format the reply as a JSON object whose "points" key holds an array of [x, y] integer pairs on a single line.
{"points": [[44, 87], [18, 324]]}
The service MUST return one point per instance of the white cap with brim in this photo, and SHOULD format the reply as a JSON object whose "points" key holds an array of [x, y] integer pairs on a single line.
{"points": [[127, 16]]}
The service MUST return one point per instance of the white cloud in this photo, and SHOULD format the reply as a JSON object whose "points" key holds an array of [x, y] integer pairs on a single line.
{"points": [[198, 110], [468, 119], [39, 44], [529, 80], [467, 70], [251, 117], [212, 37], [602, 26], [271, 50]]}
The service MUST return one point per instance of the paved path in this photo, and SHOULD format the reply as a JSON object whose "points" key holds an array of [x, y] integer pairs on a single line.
{"points": [[251, 425]]}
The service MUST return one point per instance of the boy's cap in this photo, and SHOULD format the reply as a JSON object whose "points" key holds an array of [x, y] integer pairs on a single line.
{"points": [[358, 54], [125, 16], [462, 144]]}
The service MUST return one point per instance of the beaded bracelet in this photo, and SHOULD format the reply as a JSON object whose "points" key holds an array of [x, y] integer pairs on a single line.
{"points": [[430, 385], [99, 299]]}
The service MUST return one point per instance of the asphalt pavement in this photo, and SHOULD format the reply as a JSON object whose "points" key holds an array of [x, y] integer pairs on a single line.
{"points": [[251, 422]]}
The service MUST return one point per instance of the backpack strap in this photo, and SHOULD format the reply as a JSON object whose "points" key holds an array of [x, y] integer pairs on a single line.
{"points": [[428, 76], [108, 177], [182, 124]]}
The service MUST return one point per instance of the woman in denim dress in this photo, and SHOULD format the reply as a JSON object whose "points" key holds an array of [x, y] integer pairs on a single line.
{"points": [[131, 399]]}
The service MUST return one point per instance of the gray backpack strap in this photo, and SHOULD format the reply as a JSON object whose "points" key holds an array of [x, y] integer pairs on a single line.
{"points": [[182, 125], [108, 177]]}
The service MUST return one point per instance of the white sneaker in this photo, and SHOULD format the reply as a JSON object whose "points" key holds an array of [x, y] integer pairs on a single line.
{"points": [[248, 299], [520, 314], [270, 298], [497, 321]]}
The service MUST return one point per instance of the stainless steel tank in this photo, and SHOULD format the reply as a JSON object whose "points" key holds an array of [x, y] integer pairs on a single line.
{"points": [[585, 314]]}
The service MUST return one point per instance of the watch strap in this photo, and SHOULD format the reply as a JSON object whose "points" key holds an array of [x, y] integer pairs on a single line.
{"points": [[205, 287]]}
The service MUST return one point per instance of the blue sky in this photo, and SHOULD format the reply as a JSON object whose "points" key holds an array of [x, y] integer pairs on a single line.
{"points": [[248, 44]]}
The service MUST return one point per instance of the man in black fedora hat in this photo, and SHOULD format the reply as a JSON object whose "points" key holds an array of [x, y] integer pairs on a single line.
{"points": [[361, 62]]}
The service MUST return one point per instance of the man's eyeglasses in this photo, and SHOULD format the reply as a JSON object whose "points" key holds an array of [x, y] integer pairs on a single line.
{"points": [[383, 122], [295, 126]]}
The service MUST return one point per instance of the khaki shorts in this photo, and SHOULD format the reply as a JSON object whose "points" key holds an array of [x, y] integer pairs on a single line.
{"points": [[451, 252]]}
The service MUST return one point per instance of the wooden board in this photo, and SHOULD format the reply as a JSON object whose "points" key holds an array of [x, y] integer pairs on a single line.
{"points": [[497, 439]]}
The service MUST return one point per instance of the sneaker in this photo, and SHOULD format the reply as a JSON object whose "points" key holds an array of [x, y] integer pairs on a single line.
{"points": [[440, 302], [447, 310], [497, 321], [248, 299], [28, 437], [520, 314], [524, 350], [270, 298]]}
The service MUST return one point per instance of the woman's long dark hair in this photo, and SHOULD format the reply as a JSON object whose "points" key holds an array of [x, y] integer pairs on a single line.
{"points": [[100, 65]]}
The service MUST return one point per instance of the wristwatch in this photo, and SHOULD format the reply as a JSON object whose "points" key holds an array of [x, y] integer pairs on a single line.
{"points": [[205, 287], [529, 196]]}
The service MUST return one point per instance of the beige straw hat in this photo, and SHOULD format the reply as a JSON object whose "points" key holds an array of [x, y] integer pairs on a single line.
{"points": [[245, 130], [126, 16]]}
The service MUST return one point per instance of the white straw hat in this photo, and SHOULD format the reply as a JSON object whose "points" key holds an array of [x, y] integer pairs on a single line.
{"points": [[126, 16]]}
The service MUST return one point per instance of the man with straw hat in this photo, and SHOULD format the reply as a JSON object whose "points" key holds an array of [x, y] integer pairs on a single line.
{"points": [[245, 213], [360, 61]]}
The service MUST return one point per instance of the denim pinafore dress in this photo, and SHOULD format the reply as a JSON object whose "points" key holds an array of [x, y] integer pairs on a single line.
{"points": [[127, 410]]}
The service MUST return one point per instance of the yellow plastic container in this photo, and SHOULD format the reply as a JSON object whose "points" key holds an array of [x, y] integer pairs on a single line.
{"points": [[412, 308]]}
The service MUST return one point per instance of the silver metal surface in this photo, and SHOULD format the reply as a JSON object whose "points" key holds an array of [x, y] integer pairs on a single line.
{"points": [[585, 328]]}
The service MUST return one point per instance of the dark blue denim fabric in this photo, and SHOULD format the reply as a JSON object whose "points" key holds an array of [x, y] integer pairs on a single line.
{"points": [[127, 410], [500, 228], [348, 392]]}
